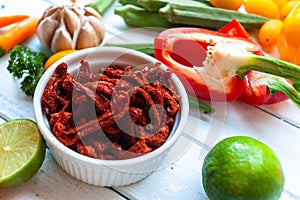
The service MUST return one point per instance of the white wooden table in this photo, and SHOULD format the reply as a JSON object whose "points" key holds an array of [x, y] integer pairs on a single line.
{"points": [[276, 125]]}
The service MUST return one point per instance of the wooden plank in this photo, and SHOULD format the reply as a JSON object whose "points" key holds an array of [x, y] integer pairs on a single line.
{"points": [[14, 103], [179, 180], [285, 110]]}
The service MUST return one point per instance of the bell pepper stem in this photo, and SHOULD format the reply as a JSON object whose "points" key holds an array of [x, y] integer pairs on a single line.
{"points": [[234, 59], [270, 65], [276, 84], [280, 70]]}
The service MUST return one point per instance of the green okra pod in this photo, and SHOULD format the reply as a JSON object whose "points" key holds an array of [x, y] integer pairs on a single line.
{"points": [[200, 15], [139, 17], [100, 5], [195, 103], [132, 2], [155, 5], [146, 48]]}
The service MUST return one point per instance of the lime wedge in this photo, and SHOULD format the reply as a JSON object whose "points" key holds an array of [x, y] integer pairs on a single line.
{"points": [[22, 152]]}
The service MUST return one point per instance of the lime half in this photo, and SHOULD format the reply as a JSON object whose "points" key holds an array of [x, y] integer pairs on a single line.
{"points": [[22, 152]]}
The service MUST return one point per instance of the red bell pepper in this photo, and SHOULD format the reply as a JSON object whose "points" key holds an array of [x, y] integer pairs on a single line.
{"points": [[234, 28], [256, 91], [212, 64], [179, 49]]}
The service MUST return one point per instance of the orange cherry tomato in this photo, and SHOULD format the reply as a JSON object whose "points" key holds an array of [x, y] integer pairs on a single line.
{"points": [[56, 56], [265, 8], [269, 32], [228, 4]]}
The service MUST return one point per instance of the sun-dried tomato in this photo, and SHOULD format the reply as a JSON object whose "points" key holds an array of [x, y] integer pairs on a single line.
{"points": [[119, 112]]}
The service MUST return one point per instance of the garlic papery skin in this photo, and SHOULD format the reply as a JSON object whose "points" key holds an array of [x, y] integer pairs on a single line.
{"points": [[70, 27]]}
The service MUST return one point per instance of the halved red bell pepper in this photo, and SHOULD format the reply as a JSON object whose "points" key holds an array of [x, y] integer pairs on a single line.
{"points": [[212, 65], [256, 91], [184, 48]]}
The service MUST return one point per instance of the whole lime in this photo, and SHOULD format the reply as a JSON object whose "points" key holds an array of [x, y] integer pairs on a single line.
{"points": [[242, 167]]}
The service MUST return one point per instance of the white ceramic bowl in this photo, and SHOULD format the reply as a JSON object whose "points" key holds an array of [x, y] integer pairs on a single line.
{"points": [[107, 172]]}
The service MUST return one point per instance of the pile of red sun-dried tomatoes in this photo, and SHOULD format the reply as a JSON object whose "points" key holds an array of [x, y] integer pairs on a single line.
{"points": [[118, 112]]}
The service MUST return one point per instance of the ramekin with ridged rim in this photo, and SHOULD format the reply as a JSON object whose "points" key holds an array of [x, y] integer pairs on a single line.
{"points": [[107, 172]]}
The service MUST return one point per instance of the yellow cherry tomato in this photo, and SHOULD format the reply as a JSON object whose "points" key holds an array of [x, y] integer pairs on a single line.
{"points": [[287, 51], [280, 3], [288, 44], [286, 9], [291, 28], [228, 4], [56, 56], [269, 32], [265, 8]]}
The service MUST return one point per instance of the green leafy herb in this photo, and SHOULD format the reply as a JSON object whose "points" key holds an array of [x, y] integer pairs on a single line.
{"points": [[28, 66]]}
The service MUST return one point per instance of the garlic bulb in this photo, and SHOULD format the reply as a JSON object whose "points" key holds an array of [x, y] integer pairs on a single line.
{"points": [[70, 27]]}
